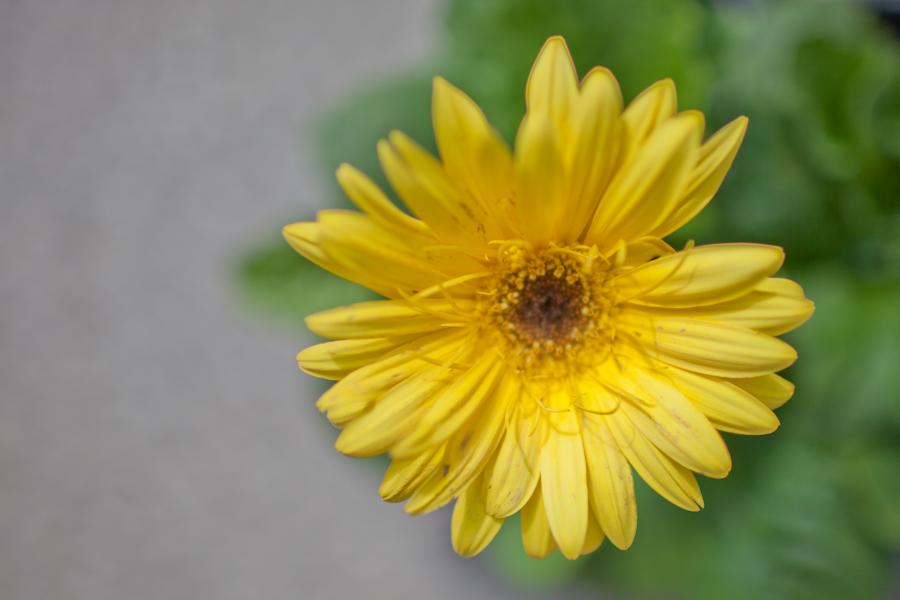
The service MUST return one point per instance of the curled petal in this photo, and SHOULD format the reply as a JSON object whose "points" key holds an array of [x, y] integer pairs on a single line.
{"points": [[336, 360], [772, 390], [405, 475], [700, 276]]}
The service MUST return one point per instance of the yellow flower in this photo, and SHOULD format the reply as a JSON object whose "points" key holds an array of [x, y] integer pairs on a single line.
{"points": [[539, 338]]}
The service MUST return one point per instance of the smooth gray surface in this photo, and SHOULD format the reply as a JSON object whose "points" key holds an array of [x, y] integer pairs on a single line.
{"points": [[154, 442]]}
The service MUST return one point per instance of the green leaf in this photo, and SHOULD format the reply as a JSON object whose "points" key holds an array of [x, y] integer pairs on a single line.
{"points": [[872, 477], [795, 540]]}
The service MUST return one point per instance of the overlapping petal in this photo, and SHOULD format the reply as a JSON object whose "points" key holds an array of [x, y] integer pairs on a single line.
{"points": [[538, 410], [471, 528], [704, 346], [389, 317], [700, 276], [648, 185]]}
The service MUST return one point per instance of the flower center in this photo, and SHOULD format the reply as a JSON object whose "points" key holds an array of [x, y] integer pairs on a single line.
{"points": [[552, 307]]}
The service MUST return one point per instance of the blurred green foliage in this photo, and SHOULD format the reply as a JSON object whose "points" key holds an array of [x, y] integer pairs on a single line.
{"points": [[812, 511]]}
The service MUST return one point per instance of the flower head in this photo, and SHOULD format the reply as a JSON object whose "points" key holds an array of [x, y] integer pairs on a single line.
{"points": [[539, 338]]}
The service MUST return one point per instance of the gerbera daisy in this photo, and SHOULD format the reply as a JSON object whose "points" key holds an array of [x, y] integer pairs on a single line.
{"points": [[539, 339]]}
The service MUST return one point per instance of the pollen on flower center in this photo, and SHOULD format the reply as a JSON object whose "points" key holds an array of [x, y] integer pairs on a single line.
{"points": [[548, 308], [552, 304]]}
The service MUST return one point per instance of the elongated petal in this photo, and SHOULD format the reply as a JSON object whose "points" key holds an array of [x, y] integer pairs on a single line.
{"points": [[707, 347], [610, 484], [700, 276], [467, 453], [590, 155], [357, 244], [669, 479], [772, 390], [729, 407], [305, 238], [564, 476], [475, 157], [552, 87], [335, 360], [763, 310], [471, 528], [541, 182], [594, 536], [716, 156], [455, 405], [648, 186], [420, 181], [513, 473], [353, 395], [671, 422], [372, 201], [536, 535], [405, 475], [393, 415], [387, 317], [647, 111]]}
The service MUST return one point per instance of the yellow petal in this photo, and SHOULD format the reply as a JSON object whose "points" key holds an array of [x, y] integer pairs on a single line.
{"points": [[647, 111], [455, 405], [700, 276], [394, 414], [420, 181], [648, 186], [467, 453], [541, 182], [336, 360], [669, 479], [610, 484], [405, 475], [715, 158], [552, 87], [591, 153], [350, 397], [729, 407], [372, 201], [707, 347], [306, 240], [513, 473], [357, 244], [671, 422], [472, 529], [764, 309], [388, 317], [564, 485], [594, 536], [772, 390], [473, 154], [645, 249], [536, 535]]}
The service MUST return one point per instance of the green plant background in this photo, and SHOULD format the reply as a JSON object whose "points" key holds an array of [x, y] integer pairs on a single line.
{"points": [[812, 511]]}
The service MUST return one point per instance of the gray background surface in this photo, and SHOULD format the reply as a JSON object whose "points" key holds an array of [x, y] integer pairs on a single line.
{"points": [[155, 443]]}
